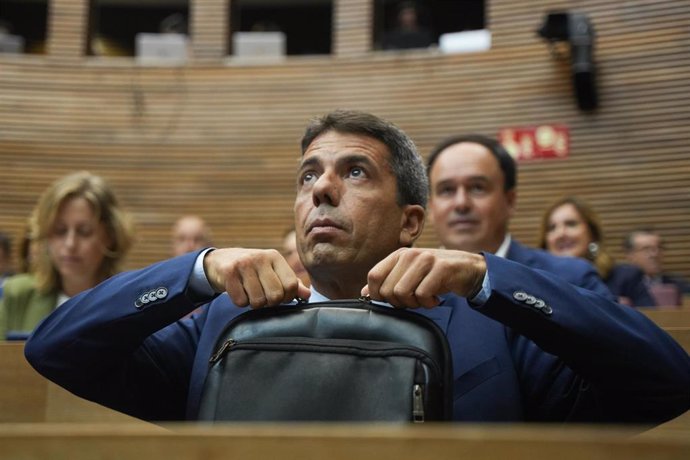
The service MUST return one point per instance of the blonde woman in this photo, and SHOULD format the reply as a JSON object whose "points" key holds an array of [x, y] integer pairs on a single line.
{"points": [[81, 235]]}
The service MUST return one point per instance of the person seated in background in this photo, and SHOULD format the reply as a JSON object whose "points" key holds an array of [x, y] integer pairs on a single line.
{"points": [[83, 235], [473, 194], [408, 33], [525, 344], [28, 253], [291, 255], [570, 227], [189, 233], [644, 248], [5, 259]]}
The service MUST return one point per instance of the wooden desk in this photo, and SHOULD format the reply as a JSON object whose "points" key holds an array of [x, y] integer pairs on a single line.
{"points": [[681, 334], [25, 396], [338, 442], [679, 317]]}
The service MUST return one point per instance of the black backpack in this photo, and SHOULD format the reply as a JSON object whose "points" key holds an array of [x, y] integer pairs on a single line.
{"points": [[345, 360]]}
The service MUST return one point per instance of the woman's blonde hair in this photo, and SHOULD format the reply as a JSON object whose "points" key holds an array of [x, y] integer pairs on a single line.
{"points": [[105, 206], [596, 253]]}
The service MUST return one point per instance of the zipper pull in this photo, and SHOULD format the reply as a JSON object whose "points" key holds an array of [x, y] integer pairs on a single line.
{"points": [[417, 404], [227, 345]]}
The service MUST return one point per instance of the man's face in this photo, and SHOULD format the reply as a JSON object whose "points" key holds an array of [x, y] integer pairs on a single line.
{"points": [[647, 253], [468, 205], [189, 235], [346, 213]]}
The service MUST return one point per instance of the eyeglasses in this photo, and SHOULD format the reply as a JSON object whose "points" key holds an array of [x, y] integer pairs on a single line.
{"points": [[649, 249]]}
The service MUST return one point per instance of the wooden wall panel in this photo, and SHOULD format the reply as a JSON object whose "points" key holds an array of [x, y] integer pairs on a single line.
{"points": [[67, 28], [222, 140], [352, 27], [209, 29]]}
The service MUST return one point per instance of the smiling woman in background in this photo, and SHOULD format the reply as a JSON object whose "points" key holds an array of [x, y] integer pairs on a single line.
{"points": [[570, 227], [82, 235]]}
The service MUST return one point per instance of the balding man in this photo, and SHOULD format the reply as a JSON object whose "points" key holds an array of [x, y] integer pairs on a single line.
{"points": [[189, 234]]}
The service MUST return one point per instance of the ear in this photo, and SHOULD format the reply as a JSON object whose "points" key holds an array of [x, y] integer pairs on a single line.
{"points": [[411, 224]]}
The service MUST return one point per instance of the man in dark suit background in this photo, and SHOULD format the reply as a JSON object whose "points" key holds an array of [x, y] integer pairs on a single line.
{"points": [[644, 248], [526, 345], [473, 193], [407, 33]]}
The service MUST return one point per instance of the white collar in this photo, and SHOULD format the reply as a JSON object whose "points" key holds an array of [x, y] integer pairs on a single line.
{"points": [[316, 296], [61, 298], [503, 248]]}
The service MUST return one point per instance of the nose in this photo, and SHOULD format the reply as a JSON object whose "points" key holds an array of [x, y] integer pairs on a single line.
{"points": [[326, 190], [463, 203], [70, 239]]}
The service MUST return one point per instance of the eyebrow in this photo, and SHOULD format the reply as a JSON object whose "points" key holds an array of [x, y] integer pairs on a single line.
{"points": [[452, 180], [312, 161], [353, 158]]}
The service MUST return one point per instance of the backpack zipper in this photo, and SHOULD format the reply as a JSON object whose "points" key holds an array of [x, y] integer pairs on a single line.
{"points": [[417, 404], [301, 342], [227, 345]]}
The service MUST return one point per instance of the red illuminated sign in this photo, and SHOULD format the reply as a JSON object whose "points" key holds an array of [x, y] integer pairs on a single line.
{"points": [[536, 142]]}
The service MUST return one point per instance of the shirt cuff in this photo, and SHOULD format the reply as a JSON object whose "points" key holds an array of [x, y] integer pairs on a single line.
{"points": [[483, 295], [198, 283]]}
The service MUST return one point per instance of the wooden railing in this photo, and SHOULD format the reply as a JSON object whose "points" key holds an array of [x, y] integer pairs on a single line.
{"points": [[339, 442]]}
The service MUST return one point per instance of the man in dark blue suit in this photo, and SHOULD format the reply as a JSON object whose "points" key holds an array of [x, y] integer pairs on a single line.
{"points": [[527, 346], [473, 183]]}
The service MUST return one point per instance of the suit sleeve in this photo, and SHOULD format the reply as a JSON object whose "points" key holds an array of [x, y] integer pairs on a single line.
{"points": [[583, 357], [122, 343]]}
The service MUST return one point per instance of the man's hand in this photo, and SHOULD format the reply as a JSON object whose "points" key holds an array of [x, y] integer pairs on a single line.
{"points": [[415, 277], [255, 277]]}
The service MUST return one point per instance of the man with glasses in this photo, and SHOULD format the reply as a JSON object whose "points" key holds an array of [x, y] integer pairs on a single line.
{"points": [[645, 248]]}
